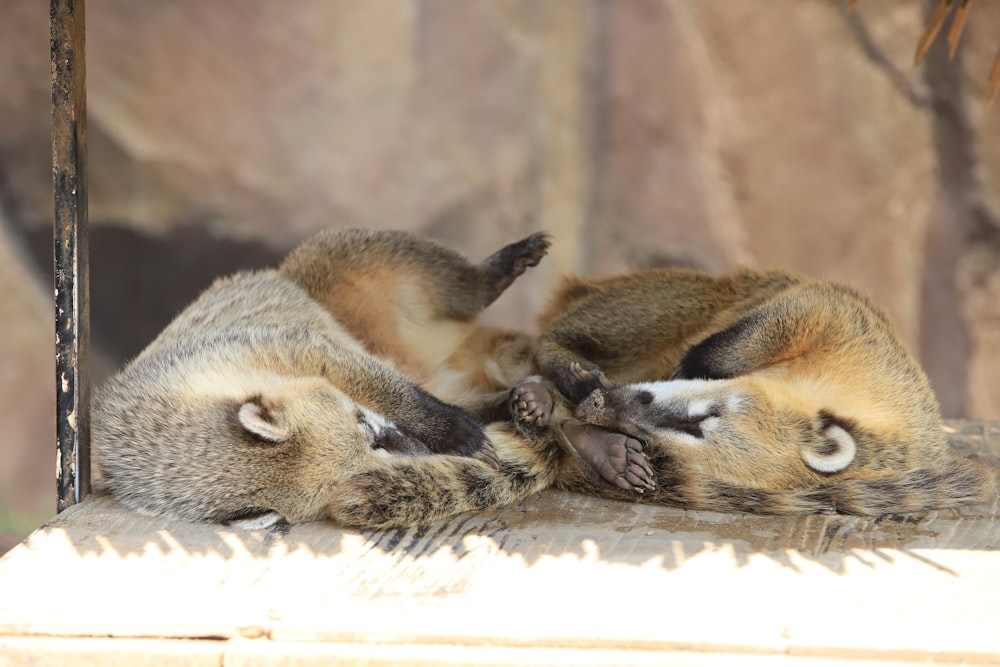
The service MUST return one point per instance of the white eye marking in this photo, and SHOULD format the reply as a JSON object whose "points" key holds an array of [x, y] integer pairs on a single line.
{"points": [[710, 424], [377, 421], [843, 452], [703, 397], [699, 408], [672, 437], [372, 424], [679, 389]]}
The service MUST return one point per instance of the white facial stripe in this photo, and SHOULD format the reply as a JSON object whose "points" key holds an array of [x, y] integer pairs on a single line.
{"points": [[679, 389], [374, 420], [699, 408], [681, 438], [377, 421], [735, 403], [701, 396], [371, 424]]}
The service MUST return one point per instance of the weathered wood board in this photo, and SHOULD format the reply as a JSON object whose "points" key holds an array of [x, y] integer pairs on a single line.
{"points": [[560, 579]]}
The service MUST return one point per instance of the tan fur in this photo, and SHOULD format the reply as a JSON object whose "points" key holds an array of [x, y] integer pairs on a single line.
{"points": [[762, 391], [275, 386], [759, 392]]}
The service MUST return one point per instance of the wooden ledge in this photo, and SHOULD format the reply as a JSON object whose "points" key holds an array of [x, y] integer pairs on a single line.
{"points": [[560, 580]]}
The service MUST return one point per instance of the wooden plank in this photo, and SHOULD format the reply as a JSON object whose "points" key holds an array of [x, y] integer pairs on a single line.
{"points": [[560, 571], [105, 652]]}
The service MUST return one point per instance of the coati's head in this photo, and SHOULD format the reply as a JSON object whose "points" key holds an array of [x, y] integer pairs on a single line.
{"points": [[217, 449], [773, 443]]}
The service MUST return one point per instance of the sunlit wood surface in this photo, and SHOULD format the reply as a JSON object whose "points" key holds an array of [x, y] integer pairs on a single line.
{"points": [[559, 580]]}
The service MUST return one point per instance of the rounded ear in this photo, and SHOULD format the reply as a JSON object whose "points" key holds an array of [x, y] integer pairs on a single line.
{"points": [[264, 419], [832, 454]]}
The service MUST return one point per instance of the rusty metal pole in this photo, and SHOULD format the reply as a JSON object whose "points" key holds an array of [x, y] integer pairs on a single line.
{"points": [[72, 274]]}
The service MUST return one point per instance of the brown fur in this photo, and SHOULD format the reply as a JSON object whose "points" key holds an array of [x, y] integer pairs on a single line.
{"points": [[758, 392], [275, 386]]}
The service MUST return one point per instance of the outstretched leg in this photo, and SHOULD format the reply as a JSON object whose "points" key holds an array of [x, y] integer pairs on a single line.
{"points": [[500, 269], [350, 270]]}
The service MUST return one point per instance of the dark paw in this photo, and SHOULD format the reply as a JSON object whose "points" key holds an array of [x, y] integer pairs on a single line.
{"points": [[452, 431], [584, 381], [531, 405], [528, 252], [594, 376], [511, 261], [614, 456]]}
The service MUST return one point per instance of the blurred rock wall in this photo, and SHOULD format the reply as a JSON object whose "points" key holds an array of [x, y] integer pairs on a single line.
{"points": [[715, 133]]}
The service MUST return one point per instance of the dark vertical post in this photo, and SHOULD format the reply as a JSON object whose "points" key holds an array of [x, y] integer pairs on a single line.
{"points": [[72, 275]]}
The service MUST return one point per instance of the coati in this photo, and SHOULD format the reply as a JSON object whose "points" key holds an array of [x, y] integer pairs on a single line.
{"points": [[274, 386], [757, 392]]}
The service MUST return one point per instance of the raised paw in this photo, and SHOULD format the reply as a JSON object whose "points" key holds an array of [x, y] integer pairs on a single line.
{"points": [[614, 456], [505, 265], [531, 405], [528, 252]]}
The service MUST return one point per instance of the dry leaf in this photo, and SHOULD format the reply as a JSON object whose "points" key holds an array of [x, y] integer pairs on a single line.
{"points": [[994, 83], [932, 29], [957, 26]]}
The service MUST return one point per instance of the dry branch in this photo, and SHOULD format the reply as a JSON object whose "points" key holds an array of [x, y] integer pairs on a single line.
{"points": [[934, 25]]}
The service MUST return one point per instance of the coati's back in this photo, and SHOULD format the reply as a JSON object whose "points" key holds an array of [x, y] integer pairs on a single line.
{"points": [[778, 394]]}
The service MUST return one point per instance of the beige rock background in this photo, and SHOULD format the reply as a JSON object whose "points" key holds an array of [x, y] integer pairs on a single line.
{"points": [[717, 133]]}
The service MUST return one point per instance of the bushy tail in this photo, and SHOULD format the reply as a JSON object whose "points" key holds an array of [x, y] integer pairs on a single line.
{"points": [[959, 482], [956, 483]]}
